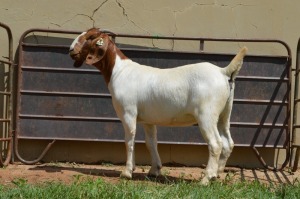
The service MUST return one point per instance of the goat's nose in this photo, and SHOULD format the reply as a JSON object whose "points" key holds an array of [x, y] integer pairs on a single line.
{"points": [[71, 52]]}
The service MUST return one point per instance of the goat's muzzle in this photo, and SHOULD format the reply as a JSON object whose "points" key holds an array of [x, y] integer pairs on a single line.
{"points": [[76, 56], [73, 55]]}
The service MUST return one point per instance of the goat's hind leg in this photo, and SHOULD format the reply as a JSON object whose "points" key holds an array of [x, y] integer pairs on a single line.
{"points": [[228, 144], [208, 127], [151, 143]]}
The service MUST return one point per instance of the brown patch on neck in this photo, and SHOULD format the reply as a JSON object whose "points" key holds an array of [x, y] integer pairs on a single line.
{"points": [[107, 63], [121, 55]]}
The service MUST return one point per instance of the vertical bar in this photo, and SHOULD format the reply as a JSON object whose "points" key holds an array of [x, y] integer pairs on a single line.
{"points": [[8, 114], [296, 161], [201, 45], [295, 114]]}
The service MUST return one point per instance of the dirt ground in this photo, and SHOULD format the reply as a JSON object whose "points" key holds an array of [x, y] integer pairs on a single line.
{"points": [[68, 172]]}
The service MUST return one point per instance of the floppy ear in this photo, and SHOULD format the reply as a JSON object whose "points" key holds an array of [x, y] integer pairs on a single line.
{"points": [[97, 49]]}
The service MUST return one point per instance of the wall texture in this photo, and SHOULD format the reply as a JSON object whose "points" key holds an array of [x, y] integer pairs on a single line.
{"points": [[191, 18], [203, 18]]}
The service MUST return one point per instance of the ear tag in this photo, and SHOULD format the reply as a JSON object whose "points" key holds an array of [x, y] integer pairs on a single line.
{"points": [[100, 42]]}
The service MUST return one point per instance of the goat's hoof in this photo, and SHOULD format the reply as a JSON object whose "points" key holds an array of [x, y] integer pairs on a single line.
{"points": [[205, 181], [154, 173], [220, 171], [126, 174], [151, 175]]}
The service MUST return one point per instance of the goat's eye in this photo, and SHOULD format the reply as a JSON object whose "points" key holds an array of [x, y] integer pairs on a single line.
{"points": [[90, 48]]}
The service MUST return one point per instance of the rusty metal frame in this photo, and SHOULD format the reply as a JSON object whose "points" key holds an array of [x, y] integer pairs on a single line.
{"points": [[201, 48], [295, 146], [7, 136]]}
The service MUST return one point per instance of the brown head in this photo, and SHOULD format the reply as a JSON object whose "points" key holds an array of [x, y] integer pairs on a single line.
{"points": [[95, 47]]}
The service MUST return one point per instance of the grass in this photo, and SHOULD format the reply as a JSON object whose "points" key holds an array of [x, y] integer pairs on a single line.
{"points": [[98, 188]]}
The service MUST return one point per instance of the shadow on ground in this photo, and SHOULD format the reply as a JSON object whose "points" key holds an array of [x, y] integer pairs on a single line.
{"points": [[170, 174]]}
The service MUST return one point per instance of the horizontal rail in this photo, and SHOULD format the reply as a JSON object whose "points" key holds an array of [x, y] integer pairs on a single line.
{"points": [[150, 50], [5, 139], [73, 94], [60, 69], [238, 78], [296, 71], [4, 120], [53, 117], [253, 124], [262, 102], [268, 79], [107, 95], [200, 39], [5, 62], [297, 100], [45, 45], [141, 141], [167, 37], [5, 93], [115, 119]]}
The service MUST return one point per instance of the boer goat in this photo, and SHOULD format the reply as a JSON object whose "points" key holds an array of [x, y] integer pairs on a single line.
{"points": [[199, 93]]}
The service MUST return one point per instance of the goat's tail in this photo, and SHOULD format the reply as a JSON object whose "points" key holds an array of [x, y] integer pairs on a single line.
{"points": [[236, 64]]}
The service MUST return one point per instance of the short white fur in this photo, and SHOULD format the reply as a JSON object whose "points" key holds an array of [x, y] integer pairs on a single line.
{"points": [[76, 41]]}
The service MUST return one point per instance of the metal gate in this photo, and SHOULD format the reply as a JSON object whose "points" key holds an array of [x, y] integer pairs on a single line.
{"points": [[6, 70], [56, 101], [296, 125]]}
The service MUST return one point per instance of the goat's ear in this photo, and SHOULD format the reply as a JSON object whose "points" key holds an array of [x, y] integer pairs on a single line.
{"points": [[98, 50]]}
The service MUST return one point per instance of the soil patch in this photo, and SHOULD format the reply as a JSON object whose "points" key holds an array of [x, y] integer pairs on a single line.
{"points": [[68, 172]]}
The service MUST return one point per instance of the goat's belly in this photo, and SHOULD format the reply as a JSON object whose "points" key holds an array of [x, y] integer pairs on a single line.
{"points": [[161, 120]]}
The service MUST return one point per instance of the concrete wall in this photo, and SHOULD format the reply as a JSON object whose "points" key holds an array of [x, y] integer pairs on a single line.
{"points": [[190, 18]]}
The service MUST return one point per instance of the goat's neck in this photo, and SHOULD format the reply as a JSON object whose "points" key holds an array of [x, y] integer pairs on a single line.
{"points": [[107, 63]]}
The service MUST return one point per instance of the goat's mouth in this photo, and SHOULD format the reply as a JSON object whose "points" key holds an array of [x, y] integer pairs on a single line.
{"points": [[77, 63], [77, 57]]}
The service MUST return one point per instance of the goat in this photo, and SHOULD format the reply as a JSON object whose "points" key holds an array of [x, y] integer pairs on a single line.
{"points": [[199, 93]]}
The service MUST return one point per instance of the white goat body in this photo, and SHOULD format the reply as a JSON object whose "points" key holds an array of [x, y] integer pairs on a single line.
{"points": [[182, 96], [168, 97]]}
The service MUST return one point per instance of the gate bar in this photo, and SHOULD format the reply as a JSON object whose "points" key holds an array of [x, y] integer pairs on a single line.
{"points": [[296, 146], [8, 135]]}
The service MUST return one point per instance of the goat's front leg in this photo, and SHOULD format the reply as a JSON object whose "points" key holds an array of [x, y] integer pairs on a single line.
{"points": [[129, 124], [151, 143]]}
